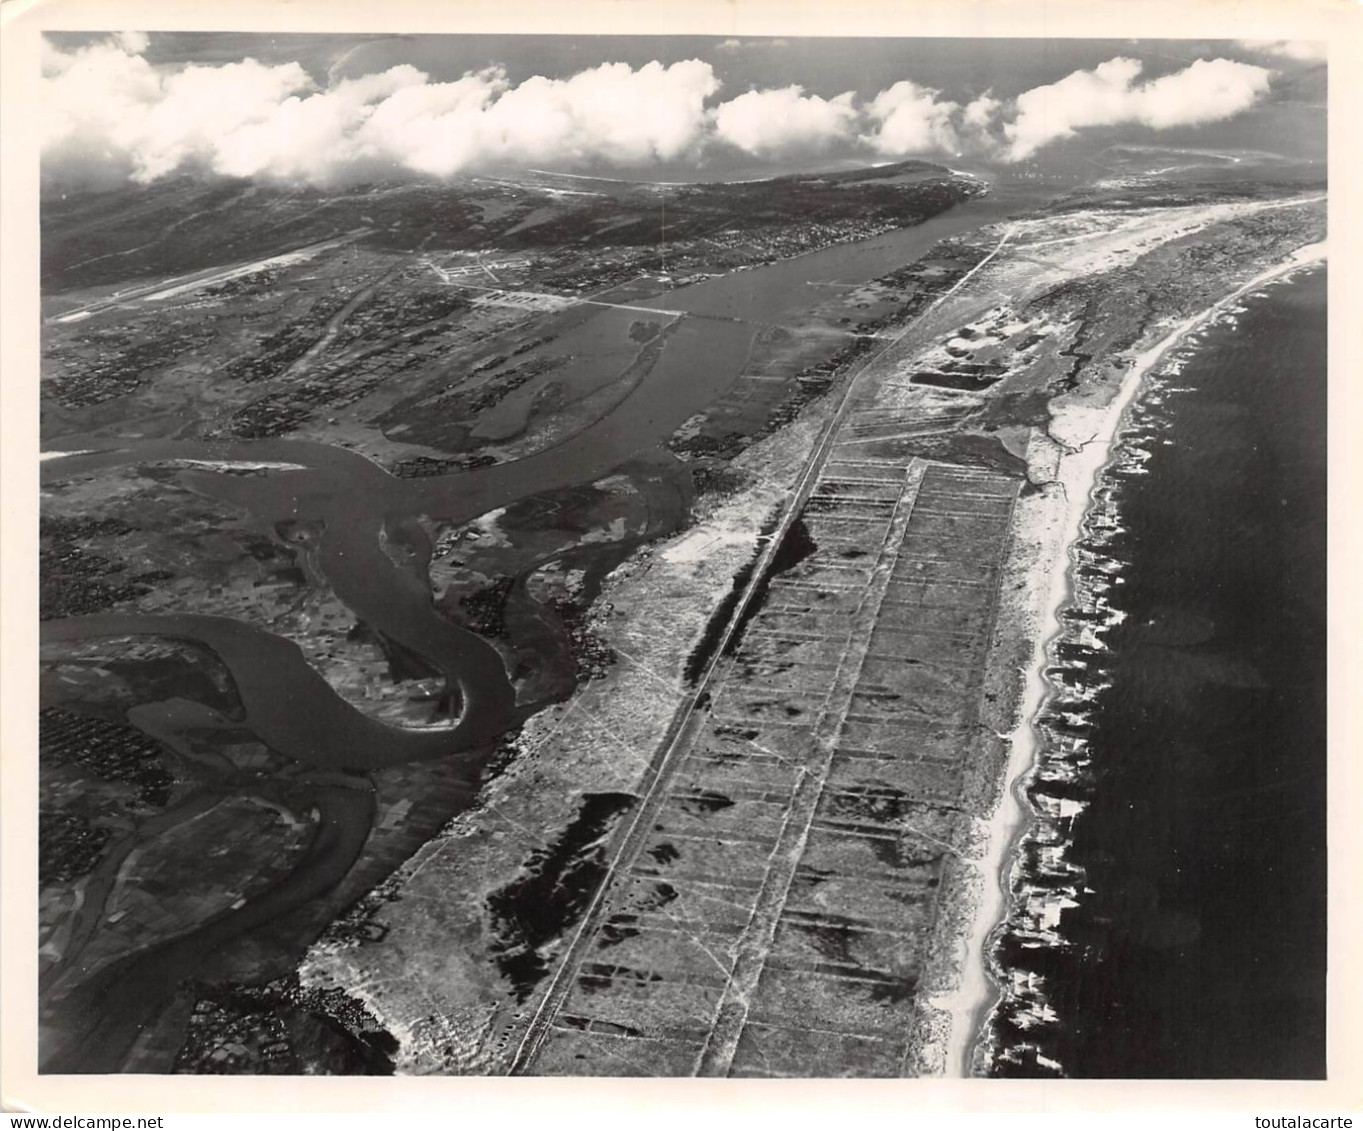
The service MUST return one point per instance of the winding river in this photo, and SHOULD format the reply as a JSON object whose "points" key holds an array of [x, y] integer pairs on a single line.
{"points": [[354, 505]]}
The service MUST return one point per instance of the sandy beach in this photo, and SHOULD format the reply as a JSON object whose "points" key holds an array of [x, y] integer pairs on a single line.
{"points": [[1053, 524]]}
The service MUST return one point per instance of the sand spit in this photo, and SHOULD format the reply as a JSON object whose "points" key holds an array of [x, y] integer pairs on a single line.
{"points": [[228, 465], [1051, 522]]}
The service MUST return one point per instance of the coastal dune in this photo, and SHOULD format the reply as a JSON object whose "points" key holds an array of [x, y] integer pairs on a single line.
{"points": [[1079, 444]]}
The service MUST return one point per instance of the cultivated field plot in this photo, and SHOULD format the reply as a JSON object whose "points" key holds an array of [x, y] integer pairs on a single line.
{"points": [[776, 919]]}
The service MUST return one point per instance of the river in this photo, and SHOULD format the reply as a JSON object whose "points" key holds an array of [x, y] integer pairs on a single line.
{"points": [[351, 501]]}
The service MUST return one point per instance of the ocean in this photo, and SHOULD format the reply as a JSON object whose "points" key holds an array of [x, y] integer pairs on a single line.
{"points": [[1170, 911]]}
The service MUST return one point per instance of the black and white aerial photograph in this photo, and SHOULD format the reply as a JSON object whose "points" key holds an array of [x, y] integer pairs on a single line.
{"points": [[678, 555]]}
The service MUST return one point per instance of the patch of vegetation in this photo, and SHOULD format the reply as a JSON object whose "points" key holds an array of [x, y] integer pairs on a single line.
{"points": [[552, 893], [283, 1029], [795, 547], [110, 751], [69, 846]]}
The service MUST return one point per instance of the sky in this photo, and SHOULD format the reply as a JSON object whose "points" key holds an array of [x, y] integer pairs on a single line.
{"points": [[328, 111]]}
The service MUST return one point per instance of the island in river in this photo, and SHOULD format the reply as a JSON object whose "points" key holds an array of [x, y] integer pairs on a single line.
{"points": [[479, 639]]}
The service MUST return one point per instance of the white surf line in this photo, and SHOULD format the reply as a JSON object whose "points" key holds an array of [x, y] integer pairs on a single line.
{"points": [[970, 1003]]}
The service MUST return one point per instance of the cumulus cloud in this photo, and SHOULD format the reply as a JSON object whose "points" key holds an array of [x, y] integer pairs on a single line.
{"points": [[109, 115], [1205, 91], [980, 113], [773, 122], [105, 105], [609, 113], [108, 109], [314, 137], [133, 42], [911, 119]]}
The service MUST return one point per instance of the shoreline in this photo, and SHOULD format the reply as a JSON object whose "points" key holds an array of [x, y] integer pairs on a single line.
{"points": [[1078, 474]]}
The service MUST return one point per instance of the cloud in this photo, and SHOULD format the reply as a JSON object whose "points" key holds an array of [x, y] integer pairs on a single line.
{"points": [[911, 119], [980, 114], [109, 115], [785, 120], [319, 137], [1301, 50], [1205, 91], [133, 42], [106, 109], [610, 114]]}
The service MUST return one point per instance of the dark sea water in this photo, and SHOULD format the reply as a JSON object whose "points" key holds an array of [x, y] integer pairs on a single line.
{"points": [[1180, 845]]}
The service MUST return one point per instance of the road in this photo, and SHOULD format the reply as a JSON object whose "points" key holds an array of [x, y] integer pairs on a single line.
{"points": [[197, 280], [659, 771]]}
